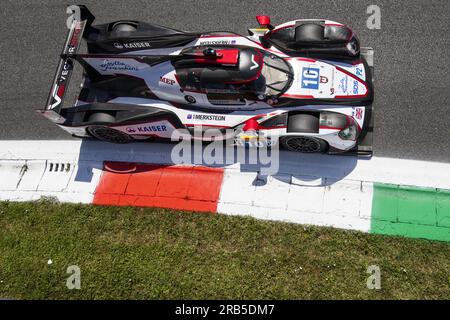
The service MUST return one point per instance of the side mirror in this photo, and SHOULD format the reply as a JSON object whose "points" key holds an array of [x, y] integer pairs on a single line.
{"points": [[264, 21]]}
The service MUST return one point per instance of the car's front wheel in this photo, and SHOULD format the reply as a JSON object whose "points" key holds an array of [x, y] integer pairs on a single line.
{"points": [[304, 144]]}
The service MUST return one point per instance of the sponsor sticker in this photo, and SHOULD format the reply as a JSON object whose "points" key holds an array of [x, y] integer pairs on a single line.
{"points": [[216, 42], [75, 38], [355, 86], [359, 72], [166, 80], [132, 45], [147, 128], [207, 117], [116, 66], [160, 128], [344, 84]]}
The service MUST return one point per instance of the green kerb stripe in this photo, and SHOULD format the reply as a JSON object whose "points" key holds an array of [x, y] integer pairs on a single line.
{"points": [[411, 212]]}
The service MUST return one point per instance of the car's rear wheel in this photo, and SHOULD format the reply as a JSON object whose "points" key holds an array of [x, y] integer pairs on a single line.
{"points": [[304, 144], [124, 27], [107, 134], [102, 132]]}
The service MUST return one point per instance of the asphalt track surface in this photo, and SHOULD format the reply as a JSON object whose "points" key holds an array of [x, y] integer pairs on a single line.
{"points": [[411, 58]]}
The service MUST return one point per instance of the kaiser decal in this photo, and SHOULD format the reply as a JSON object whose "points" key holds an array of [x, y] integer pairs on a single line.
{"points": [[132, 45], [152, 128], [161, 128], [147, 128]]}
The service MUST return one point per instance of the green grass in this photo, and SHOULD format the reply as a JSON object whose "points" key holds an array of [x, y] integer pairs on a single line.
{"points": [[133, 253]]}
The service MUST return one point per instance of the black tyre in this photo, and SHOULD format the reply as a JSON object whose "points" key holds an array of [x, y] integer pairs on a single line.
{"points": [[107, 134], [304, 144], [102, 132], [124, 27], [101, 118], [304, 123]]}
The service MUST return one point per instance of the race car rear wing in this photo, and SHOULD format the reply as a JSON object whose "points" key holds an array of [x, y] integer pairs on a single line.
{"points": [[82, 19]]}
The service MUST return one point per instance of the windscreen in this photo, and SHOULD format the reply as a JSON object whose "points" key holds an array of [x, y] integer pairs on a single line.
{"points": [[277, 75]]}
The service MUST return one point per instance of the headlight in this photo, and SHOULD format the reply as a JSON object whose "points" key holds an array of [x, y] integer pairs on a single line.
{"points": [[351, 131]]}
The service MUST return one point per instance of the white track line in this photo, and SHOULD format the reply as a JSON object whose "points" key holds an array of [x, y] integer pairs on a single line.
{"points": [[304, 169]]}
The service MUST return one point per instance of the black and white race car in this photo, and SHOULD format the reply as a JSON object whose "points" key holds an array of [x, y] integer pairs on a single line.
{"points": [[305, 84]]}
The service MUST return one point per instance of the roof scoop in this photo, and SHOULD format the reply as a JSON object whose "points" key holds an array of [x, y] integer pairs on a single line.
{"points": [[210, 52], [220, 56], [264, 21]]}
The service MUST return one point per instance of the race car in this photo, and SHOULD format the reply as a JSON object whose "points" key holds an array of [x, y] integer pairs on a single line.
{"points": [[304, 84]]}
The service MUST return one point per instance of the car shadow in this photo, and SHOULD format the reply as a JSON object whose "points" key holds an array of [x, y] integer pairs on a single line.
{"points": [[298, 168]]}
